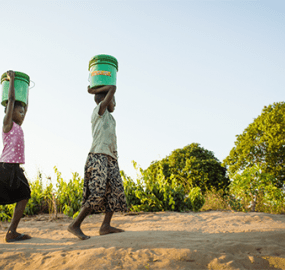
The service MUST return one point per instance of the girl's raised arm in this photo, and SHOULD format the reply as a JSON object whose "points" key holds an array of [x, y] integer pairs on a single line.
{"points": [[110, 89], [8, 122]]}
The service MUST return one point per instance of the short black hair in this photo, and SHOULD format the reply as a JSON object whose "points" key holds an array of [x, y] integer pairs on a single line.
{"points": [[16, 104], [99, 97]]}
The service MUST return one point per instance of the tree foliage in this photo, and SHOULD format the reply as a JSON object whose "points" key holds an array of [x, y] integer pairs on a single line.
{"points": [[252, 186], [262, 143], [191, 166]]}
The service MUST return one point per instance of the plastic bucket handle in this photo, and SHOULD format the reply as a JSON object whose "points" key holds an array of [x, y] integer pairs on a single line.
{"points": [[33, 85]]}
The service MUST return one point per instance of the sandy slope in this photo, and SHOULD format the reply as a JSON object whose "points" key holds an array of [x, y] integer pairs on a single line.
{"points": [[165, 240]]}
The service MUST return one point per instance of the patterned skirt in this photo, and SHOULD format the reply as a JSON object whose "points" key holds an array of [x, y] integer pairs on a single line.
{"points": [[14, 186], [103, 189]]}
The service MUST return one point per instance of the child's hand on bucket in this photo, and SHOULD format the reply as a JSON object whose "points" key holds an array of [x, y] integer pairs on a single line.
{"points": [[90, 90], [10, 74]]}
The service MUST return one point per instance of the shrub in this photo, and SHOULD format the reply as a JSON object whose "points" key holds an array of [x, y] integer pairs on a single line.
{"points": [[152, 195], [255, 189], [191, 166], [69, 194]]}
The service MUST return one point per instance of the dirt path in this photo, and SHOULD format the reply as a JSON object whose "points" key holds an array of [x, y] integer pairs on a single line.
{"points": [[164, 240]]}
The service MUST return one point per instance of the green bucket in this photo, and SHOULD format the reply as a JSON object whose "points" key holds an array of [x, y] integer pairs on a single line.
{"points": [[103, 70], [21, 84]]}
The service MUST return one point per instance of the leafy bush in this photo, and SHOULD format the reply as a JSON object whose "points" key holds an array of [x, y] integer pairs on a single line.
{"points": [[40, 197], [252, 185], [69, 194], [191, 166], [152, 195], [6, 212], [214, 200], [196, 198], [130, 188]]}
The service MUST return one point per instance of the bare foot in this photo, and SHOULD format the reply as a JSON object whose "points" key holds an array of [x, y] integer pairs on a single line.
{"points": [[13, 236], [108, 229], [77, 232]]}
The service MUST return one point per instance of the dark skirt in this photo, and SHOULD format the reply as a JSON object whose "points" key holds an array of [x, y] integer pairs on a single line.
{"points": [[14, 186]]}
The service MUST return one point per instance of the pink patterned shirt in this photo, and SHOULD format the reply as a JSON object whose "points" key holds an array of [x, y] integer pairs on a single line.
{"points": [[14, 146]]}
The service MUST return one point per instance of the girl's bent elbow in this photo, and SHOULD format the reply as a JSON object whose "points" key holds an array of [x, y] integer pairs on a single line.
{"points": [[11, 99]]}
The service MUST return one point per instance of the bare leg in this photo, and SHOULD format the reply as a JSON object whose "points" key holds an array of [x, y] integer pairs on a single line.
{"points": [[106, 228], [74, 227], [12, 235]]}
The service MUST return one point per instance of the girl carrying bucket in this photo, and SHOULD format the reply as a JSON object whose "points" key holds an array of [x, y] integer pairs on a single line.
{"points": [[103, 188], [14, 187]]}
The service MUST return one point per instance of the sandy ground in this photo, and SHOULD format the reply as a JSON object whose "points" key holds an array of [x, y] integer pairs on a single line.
{"points": [[164, 240]]}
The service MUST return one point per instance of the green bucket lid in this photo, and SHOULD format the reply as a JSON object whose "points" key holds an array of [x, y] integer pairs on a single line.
{"points": [[103, 59], [18, 75]]}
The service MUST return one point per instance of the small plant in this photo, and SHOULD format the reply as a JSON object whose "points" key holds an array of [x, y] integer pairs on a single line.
{"points": [[6, 212], [196, 198], [215, 200], [69, 194]]}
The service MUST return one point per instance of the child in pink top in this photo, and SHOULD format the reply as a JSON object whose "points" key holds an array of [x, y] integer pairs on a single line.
{"points": [[14, 187], [14, 147]]}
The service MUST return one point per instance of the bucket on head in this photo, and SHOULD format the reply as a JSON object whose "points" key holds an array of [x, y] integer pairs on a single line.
{"points": [[21, 84], [103, 70]]}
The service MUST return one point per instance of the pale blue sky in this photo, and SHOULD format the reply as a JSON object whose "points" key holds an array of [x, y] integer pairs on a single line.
{"points": [[189, 71]]}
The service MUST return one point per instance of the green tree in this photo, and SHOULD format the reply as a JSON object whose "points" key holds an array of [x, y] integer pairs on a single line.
{"points": [[262, 143], [192, 166], [252, 185]]}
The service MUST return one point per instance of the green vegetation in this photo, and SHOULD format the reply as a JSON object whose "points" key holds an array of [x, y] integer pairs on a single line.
{"points": [[145, 195], [191, 178], [262, 143], [154, 193], [191, 166], [65, 198], [214, 200], [256, 163], [252, 187]]}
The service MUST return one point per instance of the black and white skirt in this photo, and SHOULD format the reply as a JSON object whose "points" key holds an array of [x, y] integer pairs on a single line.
{"points": [[103, 186]]}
